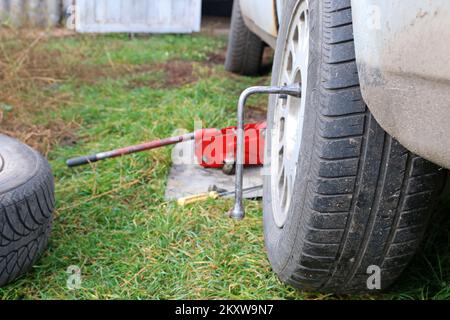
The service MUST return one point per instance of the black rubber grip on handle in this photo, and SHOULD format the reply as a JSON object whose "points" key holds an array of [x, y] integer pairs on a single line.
{"points": [[75, 162]]}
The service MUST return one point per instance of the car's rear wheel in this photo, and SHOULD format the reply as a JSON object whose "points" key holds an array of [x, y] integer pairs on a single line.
{"points": [[342, 195], [245, 49]]}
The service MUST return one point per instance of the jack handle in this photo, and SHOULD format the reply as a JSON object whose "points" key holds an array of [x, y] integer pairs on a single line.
{"points": [[79, 161], [238, 211]]}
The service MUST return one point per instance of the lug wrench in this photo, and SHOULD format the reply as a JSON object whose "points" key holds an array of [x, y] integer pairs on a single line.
{"points": [[238, 211]]}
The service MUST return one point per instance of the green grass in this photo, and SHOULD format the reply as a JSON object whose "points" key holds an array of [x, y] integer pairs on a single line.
{"points": [[112, 220]]}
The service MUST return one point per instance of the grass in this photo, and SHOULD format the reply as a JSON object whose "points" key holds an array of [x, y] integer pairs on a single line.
{"points": [[89, 93]]}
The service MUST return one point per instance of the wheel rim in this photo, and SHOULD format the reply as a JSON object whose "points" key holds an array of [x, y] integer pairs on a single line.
{"points": [[289, 115]]}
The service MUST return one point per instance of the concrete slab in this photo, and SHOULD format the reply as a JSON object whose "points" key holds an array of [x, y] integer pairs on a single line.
{"points": [[190, 179]]}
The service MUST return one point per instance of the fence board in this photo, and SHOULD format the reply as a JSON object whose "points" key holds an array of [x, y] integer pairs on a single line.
{"points": [[140, 16]]}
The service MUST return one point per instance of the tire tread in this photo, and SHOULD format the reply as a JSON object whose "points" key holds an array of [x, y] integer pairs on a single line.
{"points": [[25, 223], [245, 49]]}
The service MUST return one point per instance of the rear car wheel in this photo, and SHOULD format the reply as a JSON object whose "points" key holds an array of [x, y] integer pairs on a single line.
{"points": [[26, 206], [245, 49], [342, 195]]}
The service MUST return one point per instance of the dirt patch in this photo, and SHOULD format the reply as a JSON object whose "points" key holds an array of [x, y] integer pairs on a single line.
{"points": [[175, 73], [178, 73]]}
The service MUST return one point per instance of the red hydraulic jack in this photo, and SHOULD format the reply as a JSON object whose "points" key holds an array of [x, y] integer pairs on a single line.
{"points": [[214, 148]]}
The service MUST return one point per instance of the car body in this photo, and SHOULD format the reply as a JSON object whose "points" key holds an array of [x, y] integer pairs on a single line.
{"points": [[402, 51]]}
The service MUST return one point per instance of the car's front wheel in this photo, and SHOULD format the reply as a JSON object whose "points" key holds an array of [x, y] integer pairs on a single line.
{"points": [[342, 195]]}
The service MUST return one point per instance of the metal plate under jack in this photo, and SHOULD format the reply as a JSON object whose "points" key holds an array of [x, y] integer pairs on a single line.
{"points": [[188, 178]]}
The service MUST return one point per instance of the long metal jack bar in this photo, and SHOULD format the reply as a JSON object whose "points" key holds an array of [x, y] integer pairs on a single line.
{"points": [[238, 211]]}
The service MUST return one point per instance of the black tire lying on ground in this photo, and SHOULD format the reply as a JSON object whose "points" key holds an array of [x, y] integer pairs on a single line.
{"points": [[245, 49], [357, 198], [26, 207]]}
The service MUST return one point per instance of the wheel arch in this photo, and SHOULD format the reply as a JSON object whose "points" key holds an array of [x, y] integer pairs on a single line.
{"points": [[408, 91]]}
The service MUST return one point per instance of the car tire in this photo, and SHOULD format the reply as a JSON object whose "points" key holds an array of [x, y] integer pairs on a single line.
{"points": [[245, 49], [26, 206], [343, 200]]}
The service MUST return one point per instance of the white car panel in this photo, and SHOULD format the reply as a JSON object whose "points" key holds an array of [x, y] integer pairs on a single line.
{"points": [[261, 13]]}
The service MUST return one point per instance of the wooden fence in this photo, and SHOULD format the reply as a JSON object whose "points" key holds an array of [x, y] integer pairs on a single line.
{"points": [[37, 13], [134, 16]]}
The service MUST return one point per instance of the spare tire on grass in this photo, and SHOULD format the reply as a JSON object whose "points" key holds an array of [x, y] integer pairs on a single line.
{"points": [[26, 207]]}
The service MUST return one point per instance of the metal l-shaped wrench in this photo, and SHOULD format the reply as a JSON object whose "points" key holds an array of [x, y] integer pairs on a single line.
{"points": [[238, 211]]}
